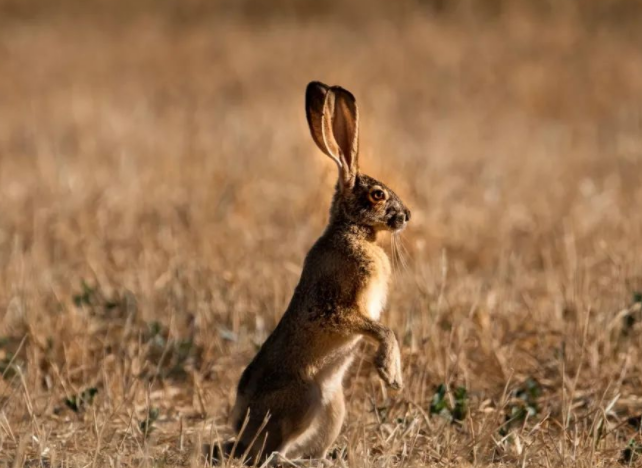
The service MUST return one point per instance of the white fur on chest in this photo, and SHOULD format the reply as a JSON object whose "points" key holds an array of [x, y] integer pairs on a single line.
{"points": [[375, 296]]}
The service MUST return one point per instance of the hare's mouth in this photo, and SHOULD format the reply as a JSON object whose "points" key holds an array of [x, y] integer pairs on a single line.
{"points": [[399, 221], [397, 230], [396, 225]]}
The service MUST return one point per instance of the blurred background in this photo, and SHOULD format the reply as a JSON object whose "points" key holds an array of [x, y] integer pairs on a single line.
{"points": [[159, 190]]}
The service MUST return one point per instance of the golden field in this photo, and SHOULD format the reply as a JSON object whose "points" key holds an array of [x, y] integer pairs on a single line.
{"points": [[159, 190]]}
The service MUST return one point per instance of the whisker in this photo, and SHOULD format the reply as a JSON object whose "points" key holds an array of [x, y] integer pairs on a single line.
{"points": [[407, 256], [403, 246], [395, 251], [400, 253], [403, 253], [393, 255]]}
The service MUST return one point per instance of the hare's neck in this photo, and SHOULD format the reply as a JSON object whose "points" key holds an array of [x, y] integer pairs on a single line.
{"points": [[352, 230], [340, 223]]}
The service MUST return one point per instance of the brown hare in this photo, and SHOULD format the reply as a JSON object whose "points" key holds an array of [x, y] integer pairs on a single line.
{"points": [[290, 397]]}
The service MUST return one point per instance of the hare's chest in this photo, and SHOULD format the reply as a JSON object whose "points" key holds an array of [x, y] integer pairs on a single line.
{"points": [[375, 294], [375, 297]]}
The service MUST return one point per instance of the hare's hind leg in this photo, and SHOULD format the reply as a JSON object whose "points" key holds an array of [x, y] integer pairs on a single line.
{"points": [[323, 430], [335, 414], [329, 422], [291, 411]]}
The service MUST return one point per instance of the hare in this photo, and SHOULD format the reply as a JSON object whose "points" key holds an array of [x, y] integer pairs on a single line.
{"points": [[290, 397]]}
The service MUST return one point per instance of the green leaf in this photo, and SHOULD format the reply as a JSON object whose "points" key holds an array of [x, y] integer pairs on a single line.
{"points": [[439, 402], [633, 315], [81, 400], [85, 297], [523, 404], [460, 410], [9, 366], [632, 452], [147, 425], [441, 406]]}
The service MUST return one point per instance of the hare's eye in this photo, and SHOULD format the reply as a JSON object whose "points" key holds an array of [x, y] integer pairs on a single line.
{"points": [[377, 195]]}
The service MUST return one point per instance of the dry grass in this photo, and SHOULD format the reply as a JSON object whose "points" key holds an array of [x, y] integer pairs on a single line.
{"points": [[159, 190]]}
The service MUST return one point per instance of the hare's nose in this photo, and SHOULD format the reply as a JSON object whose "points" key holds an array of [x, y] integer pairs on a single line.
{"points": [[407, 215], [401, 218]]}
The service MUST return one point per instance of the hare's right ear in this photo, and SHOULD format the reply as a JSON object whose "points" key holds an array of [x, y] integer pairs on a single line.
{"points": [[334, 124]]}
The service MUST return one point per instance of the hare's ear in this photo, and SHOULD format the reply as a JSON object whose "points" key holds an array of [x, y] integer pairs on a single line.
{"points": [[334, 123], [315, 95], [341, 124]]}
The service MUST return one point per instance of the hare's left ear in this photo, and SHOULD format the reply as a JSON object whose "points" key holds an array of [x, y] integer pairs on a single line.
{"points": [[333, 118], [341, 124]]}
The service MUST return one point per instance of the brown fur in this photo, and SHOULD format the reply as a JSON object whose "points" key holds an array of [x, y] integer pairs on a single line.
{"points": [[296, 377]]}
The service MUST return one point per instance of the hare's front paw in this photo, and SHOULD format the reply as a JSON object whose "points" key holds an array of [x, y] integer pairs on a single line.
{"points": [[388, 362]]}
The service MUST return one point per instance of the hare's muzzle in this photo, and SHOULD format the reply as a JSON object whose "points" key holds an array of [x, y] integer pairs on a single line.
{"points": [[399, 220]]}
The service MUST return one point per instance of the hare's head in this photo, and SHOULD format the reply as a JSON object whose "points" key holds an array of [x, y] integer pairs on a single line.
{"points": [[359, 199]]}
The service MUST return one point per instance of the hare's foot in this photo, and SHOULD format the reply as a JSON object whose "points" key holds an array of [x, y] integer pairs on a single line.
{"points": [[277, 459], [320, 463], [388, 363]]}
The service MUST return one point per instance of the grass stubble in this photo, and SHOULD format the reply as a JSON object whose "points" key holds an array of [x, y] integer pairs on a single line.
{"points": [[159, 190]]}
